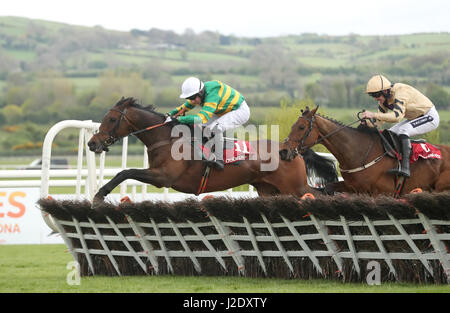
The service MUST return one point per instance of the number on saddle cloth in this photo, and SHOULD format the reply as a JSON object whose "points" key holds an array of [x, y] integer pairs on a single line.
{"points": [[424, 150], [234, 150], [240, 151]]}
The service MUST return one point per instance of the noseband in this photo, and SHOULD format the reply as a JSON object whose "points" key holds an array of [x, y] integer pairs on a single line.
{"points": [[112, 138], [296, 151], [301, 141]]}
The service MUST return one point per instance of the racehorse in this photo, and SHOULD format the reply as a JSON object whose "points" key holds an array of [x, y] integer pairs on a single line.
{"points": [[362, 159], [128, 117]]}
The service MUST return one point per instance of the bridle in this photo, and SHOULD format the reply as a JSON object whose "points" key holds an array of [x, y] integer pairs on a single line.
{"points": [[300, 147], [302, 140], [112, 138]]}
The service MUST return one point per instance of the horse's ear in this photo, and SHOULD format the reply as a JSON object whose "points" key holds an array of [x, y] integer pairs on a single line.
{"points": [[306, 111], [315, 110]]}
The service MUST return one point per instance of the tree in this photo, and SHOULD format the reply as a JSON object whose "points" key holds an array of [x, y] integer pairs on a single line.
{"points": [[276, 66], [12, 114], [314, 92], [337, 95], [168, 97], [113, 86], [438, 96]]}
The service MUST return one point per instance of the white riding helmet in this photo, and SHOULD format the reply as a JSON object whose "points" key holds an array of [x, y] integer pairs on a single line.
{"points": [[378, 83], [190, 87]]}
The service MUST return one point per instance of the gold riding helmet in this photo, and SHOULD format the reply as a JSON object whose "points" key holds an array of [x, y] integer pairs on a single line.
{"points": [[377, 84]]}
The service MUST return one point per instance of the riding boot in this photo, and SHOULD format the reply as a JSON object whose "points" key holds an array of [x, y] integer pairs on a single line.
{"points": [[405, 144], [216, 157], [214, 162]]}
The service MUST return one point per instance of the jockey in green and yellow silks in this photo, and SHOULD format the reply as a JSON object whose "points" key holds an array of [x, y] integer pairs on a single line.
{"points": [[223, 108]]}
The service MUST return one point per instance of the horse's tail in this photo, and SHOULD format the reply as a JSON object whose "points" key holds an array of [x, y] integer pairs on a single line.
{"points": [[319, 169]]}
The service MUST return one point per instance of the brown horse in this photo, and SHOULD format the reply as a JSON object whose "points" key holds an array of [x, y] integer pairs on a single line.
{"points": [[127, 117], [361, 157]]}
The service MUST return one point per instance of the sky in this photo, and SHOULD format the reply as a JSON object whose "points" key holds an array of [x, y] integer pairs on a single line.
{"points": [[247, 18]]}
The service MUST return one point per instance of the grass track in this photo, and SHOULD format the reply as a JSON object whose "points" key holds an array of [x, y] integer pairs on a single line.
{"points": [[42, 268]]}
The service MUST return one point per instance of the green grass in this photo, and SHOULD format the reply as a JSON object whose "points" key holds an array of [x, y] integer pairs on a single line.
{"points": [[21, 55], [85, 83], [42, 268]]}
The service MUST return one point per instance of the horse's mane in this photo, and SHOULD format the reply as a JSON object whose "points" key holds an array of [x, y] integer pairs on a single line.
{"points": [[132, 102], [361, 128]]}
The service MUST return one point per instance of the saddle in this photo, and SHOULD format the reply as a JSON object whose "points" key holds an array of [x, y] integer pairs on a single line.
{"points": [[234, 150], [419, 147]]}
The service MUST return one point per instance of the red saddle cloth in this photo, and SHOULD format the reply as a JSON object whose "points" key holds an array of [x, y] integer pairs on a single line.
{"points": [[240, 151], [424, 151]]}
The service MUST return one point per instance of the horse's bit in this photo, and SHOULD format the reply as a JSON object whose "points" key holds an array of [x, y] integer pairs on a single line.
{"points": [[301, 141], [112, 138], [308, 132]]}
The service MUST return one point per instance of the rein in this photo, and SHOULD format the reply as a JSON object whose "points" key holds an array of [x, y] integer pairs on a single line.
{"points": [[112, 139], [334, 132], [311, 121]]}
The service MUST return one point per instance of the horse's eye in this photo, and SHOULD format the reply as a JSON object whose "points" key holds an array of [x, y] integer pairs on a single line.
{"points": [[301, 127], [112, 119]]}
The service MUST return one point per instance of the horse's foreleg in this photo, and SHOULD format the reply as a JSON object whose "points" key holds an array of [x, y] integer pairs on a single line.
{"points": [[332, 188], [153, 177]]}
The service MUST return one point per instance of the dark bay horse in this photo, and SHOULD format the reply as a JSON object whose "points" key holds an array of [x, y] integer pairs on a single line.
{"points": [[360, 149], [127, 117]]}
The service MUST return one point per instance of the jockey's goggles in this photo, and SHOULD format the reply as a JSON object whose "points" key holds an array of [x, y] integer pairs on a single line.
{"points": [[376, 94], [193, 97]]}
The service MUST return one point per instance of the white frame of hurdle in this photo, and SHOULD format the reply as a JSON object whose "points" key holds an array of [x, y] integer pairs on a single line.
{"points": [[95, 177], [148, 233], [90, 177]]}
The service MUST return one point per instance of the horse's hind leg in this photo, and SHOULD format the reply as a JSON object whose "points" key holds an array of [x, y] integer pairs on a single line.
{"points": [[443, 183]]}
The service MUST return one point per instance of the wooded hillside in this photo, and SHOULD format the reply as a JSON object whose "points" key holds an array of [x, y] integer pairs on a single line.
{"points": [[52, 71]]}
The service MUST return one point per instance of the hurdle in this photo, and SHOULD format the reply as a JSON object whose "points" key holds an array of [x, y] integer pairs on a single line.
{"points": [[327, 237], [92, 171]]}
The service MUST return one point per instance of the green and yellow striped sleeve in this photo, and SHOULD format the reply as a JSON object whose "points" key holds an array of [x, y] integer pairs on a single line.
{"points": [[187, 105], [201, 117]]}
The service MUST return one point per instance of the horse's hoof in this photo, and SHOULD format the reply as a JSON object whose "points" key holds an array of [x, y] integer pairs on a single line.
{"points": [[328, 190], [96, 202]]}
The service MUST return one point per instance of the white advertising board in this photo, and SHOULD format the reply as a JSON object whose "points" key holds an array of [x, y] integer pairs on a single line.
{"points": [[21, 221], [20, 218]]}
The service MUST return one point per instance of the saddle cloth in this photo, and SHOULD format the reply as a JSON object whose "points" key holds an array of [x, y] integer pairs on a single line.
{"points": [[424, 151], [240, 151], [419, 148]]}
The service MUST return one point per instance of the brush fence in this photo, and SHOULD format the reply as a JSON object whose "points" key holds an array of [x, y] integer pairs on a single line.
{"points": [[329, 237]]}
